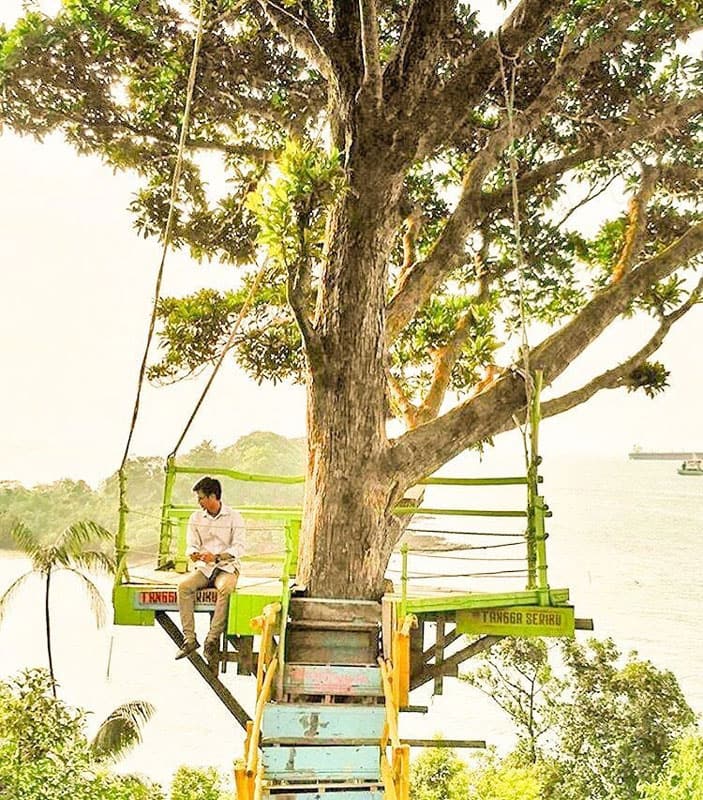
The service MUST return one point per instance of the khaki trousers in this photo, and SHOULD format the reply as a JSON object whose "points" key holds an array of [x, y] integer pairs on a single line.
{"points": [[224, 582]]}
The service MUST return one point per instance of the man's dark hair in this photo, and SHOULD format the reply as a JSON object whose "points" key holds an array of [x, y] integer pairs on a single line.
{"points": [[209, 486]]}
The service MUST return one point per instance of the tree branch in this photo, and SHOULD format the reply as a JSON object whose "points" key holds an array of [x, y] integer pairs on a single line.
{"points": [[299, 290], [555, 354], [447, 110], [637, 223], [444, 360], [297, 300], [420, 48], [620, 376], [373, 81], [419, 282], [444, 256], [399, 401], [315, 45], [420, 452]]}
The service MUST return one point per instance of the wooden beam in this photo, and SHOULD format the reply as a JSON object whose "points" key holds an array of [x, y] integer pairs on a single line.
{"points": [[417, 638], [476, 647], [439, 656], [449, 639], [445, 742], [228, 699], [449, 666]]}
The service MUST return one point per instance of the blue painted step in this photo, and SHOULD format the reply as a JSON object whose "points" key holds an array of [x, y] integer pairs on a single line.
{"points": [[314, 723], [311, 764]]}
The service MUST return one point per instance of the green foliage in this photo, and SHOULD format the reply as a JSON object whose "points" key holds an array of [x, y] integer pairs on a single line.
{"points": [[433, 329], [197, 783], [44, 753], [682, 778], [492, 779], [289, 212], [438, 774], [530, 693], [112, 76], [121, 730], [46, 508], [618, 724], [291, 208], [593, 727], [652, 377]]}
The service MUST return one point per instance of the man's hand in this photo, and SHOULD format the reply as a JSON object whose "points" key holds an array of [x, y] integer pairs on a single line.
{"points": [[205, 556]]}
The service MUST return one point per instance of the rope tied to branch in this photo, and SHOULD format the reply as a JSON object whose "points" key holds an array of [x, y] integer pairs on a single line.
{"points": [[168, 232], [508, 86]]}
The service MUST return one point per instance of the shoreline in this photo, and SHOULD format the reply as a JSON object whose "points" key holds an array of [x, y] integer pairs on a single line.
{"points": [[12, 555]]}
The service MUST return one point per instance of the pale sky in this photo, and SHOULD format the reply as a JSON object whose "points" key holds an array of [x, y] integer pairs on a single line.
{"points": [[77, 286]]}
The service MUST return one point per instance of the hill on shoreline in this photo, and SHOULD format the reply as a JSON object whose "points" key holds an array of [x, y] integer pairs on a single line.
{"points": [[48, 508]]}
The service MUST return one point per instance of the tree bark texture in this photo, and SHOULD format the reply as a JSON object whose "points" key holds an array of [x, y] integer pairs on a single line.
{"points": [[348, 531]]}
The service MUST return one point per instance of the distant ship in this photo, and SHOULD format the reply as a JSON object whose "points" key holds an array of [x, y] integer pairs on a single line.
{"points": [[691, 466], [638, 454]]}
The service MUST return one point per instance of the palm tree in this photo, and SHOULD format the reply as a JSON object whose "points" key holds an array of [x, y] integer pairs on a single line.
{"points": [[121, 730], [75, 550]]}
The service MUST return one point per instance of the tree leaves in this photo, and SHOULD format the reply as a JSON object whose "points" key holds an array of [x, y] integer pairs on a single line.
{"points": [[595, 726], [44, 752]]}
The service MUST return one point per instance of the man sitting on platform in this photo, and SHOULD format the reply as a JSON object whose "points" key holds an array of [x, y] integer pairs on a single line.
{"points": [[215, 543]]}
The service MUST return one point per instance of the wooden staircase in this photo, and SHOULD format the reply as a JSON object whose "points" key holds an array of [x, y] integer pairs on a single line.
{"points": [[323, 725]]}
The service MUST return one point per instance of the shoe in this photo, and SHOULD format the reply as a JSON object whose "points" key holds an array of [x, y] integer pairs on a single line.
{"points": [[211, 653], [189, 646]]}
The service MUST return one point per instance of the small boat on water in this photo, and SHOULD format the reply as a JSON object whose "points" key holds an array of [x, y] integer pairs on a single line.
{"points": [[691, 466]]}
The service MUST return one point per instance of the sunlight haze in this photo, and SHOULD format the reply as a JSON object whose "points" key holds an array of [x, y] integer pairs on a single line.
{"points": [[78, 284]]}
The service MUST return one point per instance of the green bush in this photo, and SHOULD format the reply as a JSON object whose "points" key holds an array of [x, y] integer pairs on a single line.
{"points": [[197, 783], [45, 754]]}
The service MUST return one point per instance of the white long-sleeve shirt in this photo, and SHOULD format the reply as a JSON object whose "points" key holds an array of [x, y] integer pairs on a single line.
{"points": [[223, 533]]}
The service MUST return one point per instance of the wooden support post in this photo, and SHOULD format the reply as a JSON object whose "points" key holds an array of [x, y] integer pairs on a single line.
{"points": [[449, 639], [451, 664], [227, 698], [265, 623], [404, 579], [439, 655], [401, 661], [391, 707], [247, 740], [259, 783], [417, 640], [453, 743], [261, 700], [388, 779], [166, 532], [541, 551], [401, 769], [242, 783]]}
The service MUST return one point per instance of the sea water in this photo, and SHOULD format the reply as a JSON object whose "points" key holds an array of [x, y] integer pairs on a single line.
{"points": [[625, 538]]}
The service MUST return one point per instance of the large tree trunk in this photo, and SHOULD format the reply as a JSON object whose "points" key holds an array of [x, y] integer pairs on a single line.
{"points": [[348, 529]]}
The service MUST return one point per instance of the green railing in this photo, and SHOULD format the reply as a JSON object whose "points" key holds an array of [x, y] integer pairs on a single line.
{"points": [[174, 517]]}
